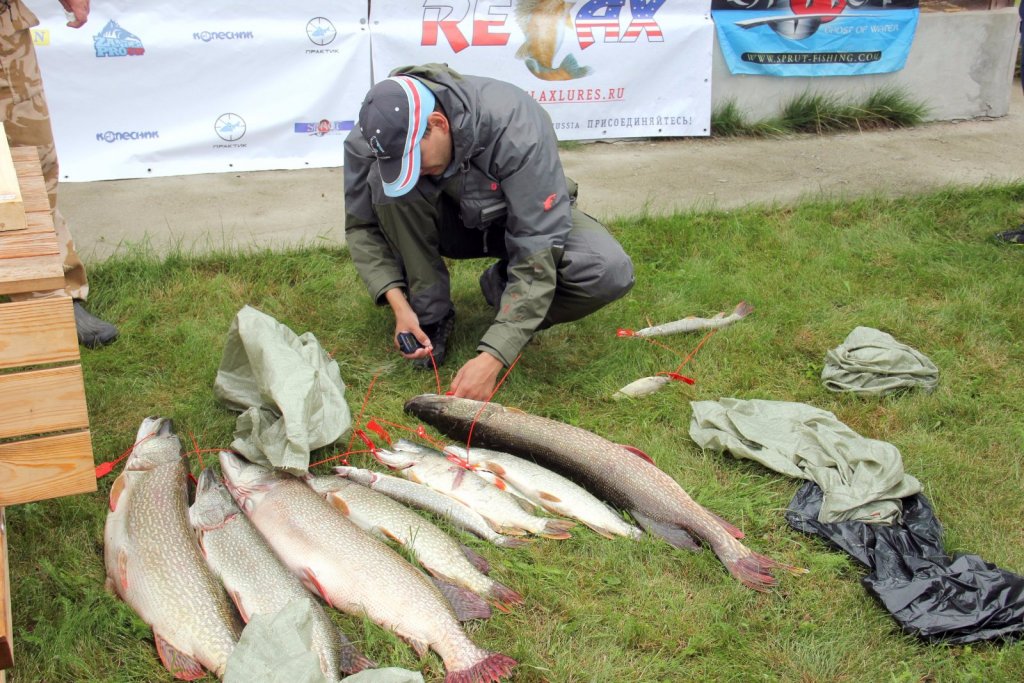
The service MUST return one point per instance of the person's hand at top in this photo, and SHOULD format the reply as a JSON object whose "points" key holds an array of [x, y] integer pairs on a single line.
{"points": [[78, 8], [477, 378]]}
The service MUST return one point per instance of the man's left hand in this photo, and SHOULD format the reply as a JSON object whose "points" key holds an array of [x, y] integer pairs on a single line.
{"points": [[477, 378], [80, 8]]}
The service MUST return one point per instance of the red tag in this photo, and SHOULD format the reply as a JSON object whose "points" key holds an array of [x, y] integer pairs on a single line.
{"points": [[421, 432], [681, 378], [494, 186], [373, 426], [365, 439], [103, 469], [625, 332], [449, 393]]}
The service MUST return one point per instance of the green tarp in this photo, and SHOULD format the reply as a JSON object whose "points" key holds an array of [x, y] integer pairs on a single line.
{"points": [[870, 362]]}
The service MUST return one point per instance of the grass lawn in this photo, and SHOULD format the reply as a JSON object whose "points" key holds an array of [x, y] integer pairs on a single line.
{"points": [[923, 269]]}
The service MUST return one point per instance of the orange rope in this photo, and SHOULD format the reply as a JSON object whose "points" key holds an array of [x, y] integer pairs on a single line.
{"points": [[469, 437]]}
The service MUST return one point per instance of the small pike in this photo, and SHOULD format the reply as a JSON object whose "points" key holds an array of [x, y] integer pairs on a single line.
{"points": [[645, 386], [693, 324], [154, 564], [434, 549], [254, 577], [355, 572], [609, 470], [551, 491], [500, 509]]}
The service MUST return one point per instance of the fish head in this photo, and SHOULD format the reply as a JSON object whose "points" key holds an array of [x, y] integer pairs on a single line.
{"points": [[326, 485], [448, 414], [247, 482], [155, 444], [356, 474], [213, 505], [396, 460]]}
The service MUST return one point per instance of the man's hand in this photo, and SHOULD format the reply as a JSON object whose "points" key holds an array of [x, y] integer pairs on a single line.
{"points": [[476, 379], [79, 8], [407, 321]]}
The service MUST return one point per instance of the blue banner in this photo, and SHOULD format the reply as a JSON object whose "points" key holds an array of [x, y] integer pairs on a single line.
{"points": [[815, 37]]}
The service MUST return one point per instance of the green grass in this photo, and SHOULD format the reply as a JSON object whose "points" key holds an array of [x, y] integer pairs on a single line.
{"points": [[922, 268], [820, 113]]}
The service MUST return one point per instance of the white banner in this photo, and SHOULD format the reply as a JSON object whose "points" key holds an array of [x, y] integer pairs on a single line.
{"points": [[188, 86], [601, 68], [169, 88]]}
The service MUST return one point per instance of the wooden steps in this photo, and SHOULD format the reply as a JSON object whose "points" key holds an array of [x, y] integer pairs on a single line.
{"points": [[45, 445]]}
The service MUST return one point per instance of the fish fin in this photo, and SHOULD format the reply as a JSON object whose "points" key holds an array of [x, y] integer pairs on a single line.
{"points": [[313, 583], [732, 530], [508, 530], [460, 475], [178, 663], [557, 529], [550, 497], [516, 410], [494, 468], [420, 647], [116, 490], [492, 666], [508, 542], [411, 476], [672, 534], [236, 598], [339, 504], [391, 535], [476, 559], [600, 531], [352, 661], [503, 596], [523, 51], [639, 453], [466, 604], [122, 570], [500, 483], [718, 316], [743, 309]]}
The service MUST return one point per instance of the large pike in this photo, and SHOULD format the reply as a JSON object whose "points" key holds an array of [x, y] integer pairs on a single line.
{"points": [[385, 518], [694, 324], [354, 572], [255, 579], [154, 563], [607, 469]]}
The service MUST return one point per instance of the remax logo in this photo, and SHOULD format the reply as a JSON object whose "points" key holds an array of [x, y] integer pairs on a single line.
{"points": [[229, 127], [117, 136], [322, 127], [114, 41], [321, 31], [207, 36]]}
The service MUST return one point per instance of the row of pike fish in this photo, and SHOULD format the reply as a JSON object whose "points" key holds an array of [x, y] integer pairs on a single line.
{"points": [[264, 538]]}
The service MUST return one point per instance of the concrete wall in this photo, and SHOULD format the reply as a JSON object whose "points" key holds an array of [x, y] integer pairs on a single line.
{"points": [[960, 65]]}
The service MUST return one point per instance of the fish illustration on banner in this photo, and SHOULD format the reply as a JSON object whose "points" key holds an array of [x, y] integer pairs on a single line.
{"points": [[544, 23], [815, 37]]}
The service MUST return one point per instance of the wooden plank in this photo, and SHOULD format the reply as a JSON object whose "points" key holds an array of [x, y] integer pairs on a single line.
{"points": [[12, 209], [24, 243], [31, 274], [37, 331], [6, 623], [46, 467], [33, 193], [42, 401]]}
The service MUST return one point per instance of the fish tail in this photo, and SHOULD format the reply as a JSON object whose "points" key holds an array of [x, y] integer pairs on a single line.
{"points": [[754, 570], [571, 67], [493, 667], [504, 596], [743, 309]]}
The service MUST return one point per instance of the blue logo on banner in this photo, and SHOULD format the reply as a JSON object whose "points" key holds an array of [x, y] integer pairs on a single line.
{"points": [[114, 41], [321, 31], [229, 127], [207, 36], [115, 136], [322, 127]]}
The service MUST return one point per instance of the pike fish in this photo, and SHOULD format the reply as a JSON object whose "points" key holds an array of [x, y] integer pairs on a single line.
{"points": [[255, 579], [611, 471], [694, 324], [549, 490], [154, 564], [425, 498], [502, 511], [434, 549], [354, 572]]}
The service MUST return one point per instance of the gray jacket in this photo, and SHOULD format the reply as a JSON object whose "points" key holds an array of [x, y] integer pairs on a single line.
{"points": [[505, 148]]}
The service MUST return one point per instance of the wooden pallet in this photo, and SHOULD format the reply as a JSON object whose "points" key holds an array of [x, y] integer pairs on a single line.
{"points": [[45, 445]]}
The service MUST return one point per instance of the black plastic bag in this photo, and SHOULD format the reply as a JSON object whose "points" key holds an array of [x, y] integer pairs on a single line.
{"points": [[930, 594]]}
